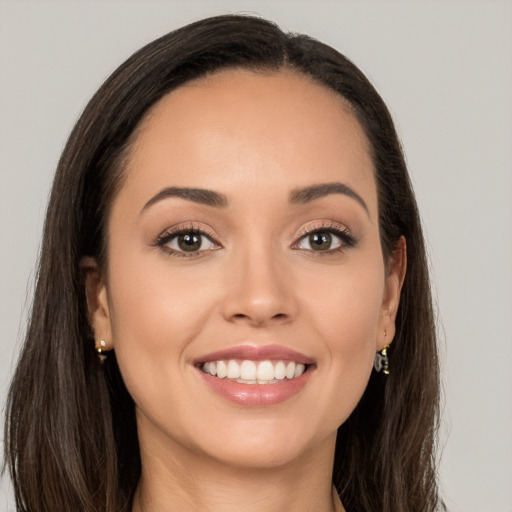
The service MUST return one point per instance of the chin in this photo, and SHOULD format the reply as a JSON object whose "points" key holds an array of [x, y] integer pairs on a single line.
{"points": [[263, 443], [269, 455]]}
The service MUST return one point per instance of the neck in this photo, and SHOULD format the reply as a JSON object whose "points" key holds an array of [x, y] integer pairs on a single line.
{"points": [[177, 479]]}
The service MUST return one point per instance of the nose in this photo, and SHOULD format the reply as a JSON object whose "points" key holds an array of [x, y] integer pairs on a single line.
{"points": [[260, 289]]}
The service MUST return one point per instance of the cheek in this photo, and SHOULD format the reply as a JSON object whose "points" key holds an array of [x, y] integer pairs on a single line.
{"points": [[346, 318], [154, 316], [345, 304]]}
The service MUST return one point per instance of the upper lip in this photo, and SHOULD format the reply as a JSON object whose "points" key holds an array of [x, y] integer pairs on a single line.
{"points": [[256, 353]]}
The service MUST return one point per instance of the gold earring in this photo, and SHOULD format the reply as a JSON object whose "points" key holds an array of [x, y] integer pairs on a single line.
{"points": [[101, 349], [381, 361]]}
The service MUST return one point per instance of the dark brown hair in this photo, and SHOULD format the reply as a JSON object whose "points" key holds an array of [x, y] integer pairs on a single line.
{"points": [[70, 439]]}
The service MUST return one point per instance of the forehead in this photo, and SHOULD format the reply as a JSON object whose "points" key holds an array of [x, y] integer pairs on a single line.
{"points": [[261, 129]]}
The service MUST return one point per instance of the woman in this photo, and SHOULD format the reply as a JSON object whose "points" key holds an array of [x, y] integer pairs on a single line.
{"points": [[231, 245]]}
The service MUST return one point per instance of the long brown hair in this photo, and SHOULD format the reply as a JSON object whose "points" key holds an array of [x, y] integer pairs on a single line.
{"points": [[70, 438]]}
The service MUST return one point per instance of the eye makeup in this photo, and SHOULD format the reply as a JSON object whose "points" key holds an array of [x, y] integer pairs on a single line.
{"points": [[322, 232], [192, 239], [187, 240]]}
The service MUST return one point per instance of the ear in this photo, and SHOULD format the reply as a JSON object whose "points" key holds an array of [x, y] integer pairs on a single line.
{"points": [[395, 276], [97, 303]]}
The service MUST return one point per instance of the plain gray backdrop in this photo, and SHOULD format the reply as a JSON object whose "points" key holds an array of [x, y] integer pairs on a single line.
{"points": [[445, 70]]}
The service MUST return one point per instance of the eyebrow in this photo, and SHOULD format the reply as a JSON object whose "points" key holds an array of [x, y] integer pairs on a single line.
{"points": [[308, 194], [297, 196], [197, 195]]}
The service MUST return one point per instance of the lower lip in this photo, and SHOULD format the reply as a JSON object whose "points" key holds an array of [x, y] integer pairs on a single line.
{"points": [[257, 395]]}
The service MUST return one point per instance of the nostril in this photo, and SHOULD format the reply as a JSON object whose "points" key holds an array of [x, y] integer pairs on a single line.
{"points": [[258, 319]]}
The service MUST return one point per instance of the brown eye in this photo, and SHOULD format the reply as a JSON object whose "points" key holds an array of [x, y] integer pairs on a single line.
{"points": [[320, 241], [189, 242]]}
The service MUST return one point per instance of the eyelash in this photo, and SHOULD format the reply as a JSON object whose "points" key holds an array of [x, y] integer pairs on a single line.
{"points": [[347, 239], [169, 235]]}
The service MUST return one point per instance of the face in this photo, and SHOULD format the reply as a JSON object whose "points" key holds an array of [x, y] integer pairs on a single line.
{"points": [[246, 292]]}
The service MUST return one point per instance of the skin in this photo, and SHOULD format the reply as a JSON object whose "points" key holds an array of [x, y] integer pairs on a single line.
{"points": [[255, 138]]}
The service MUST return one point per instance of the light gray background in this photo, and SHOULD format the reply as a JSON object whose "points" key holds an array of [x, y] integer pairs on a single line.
{"points": [[445, 70]]}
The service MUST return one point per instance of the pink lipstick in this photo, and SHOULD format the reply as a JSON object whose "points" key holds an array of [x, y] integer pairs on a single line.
{"points": [[255, 376]]}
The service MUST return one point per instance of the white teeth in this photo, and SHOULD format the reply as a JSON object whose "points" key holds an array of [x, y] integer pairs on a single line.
{"points": [[254, 372], [299, 370], [248, 370], [279, 370], [265, 371], [221, 369], [290, 370], [233, 370]]}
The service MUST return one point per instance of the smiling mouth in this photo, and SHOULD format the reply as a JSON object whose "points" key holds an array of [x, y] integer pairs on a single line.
{"points": [[254, 372], [249, 375]]}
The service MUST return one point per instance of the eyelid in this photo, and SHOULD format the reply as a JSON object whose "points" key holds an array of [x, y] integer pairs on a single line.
{"points": [[339, 230], [187, 227]]}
